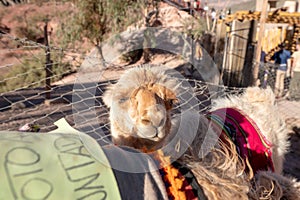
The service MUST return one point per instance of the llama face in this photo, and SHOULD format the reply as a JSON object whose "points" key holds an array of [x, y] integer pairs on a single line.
{"points": [[142, 113], [149, 109], [140, 104]]}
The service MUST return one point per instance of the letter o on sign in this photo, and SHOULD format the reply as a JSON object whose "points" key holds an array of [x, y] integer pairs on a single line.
{"points": [[22, 156], [36, 189]]}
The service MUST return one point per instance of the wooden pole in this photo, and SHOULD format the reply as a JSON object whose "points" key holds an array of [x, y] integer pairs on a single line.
{"points": [[48, 64], [192, 36], [224, 64], [207, 17], [218, 13], [147, 34], [248, 63], [262, 22]]}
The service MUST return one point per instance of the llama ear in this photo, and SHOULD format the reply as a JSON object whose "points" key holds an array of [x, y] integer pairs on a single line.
{"points": [[107, 96], [170, 99], [171, 96], [168, 95]]}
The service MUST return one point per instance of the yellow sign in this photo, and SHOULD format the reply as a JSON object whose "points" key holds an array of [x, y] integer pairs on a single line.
{"points": [[52, 166]]}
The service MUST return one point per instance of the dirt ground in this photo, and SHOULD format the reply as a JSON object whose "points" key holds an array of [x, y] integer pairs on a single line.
{"points": [[290, 111], [292, 161]]}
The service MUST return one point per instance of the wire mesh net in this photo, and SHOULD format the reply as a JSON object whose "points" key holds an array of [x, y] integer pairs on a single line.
{"points": [[267, 77], [23, 97]]}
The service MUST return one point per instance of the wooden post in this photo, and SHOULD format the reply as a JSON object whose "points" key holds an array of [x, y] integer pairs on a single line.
{"points": [[207, 17], [207, 22], [214, 23], [247, 79], [48, 64], [192, 37], [262, 22], [224, 64]]}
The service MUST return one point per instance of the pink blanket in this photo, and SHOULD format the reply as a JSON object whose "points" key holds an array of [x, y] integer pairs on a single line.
{"points": [[245, 134]]}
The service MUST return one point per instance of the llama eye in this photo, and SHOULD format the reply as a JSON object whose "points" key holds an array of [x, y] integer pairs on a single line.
{"points": [[172, 102], [122, 100]]}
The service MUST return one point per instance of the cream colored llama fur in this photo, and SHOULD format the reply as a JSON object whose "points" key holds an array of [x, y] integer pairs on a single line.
{"points": [[140, 114]]}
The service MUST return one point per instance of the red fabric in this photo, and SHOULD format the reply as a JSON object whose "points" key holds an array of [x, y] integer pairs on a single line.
{"points": [[244, 132]]}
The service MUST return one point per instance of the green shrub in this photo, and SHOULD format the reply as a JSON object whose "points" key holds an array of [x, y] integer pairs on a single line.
{"points": [[31, 73]]}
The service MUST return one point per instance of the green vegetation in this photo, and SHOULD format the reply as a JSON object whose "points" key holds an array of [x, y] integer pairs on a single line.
{"points": [[97, 19], [94, 20], [31, 73], [30, 25], [195, 27]]}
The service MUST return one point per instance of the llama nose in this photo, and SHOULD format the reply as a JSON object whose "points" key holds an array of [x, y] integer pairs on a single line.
{"points": [[158, 120]]}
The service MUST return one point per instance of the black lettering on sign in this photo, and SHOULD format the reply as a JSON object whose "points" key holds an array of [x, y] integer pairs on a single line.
{"points": [[72, 149], [36, 189], [24, 162], [64, 141], [70, 145], [23, 156], [77, 151], [67, 169], [28, 173], [99, 189]]}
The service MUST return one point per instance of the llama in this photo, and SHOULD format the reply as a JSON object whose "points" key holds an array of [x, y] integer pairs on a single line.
{"points": [[140, 115]]}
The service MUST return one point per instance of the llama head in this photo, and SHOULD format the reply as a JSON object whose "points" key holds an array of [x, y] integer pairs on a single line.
{"points": [[140, 104]]}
